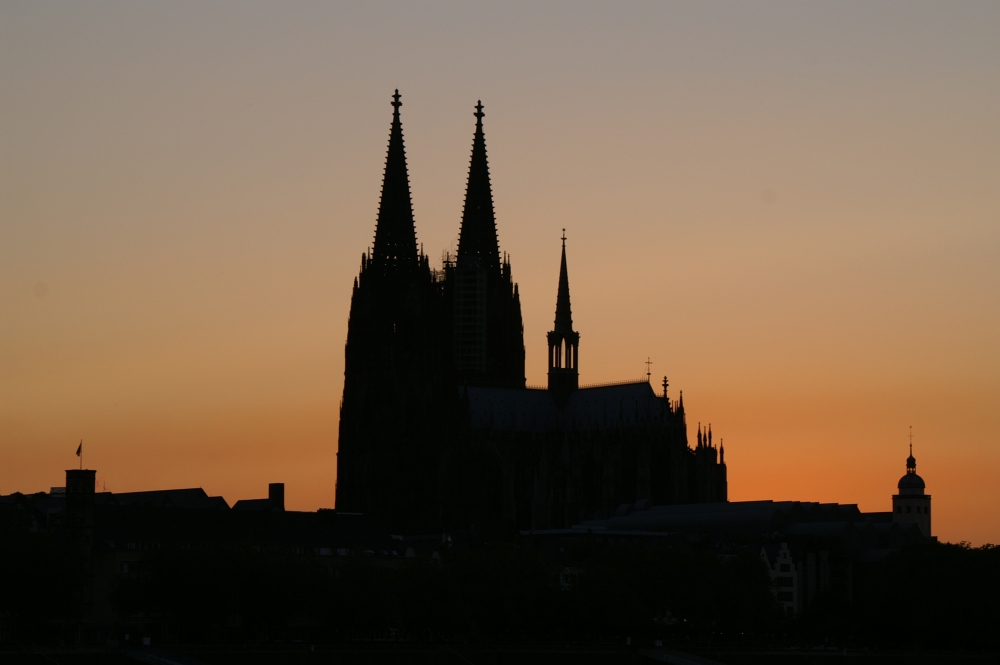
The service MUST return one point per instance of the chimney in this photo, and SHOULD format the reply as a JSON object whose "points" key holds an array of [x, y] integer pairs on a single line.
{"points": [[276, 494]]}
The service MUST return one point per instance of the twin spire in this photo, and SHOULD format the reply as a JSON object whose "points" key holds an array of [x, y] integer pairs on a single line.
{"points": [[477, 238], [395, 232], [395, 235]]}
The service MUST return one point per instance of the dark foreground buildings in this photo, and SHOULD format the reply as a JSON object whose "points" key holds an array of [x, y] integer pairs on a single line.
{"points": [[437, 427], [113, 542], [809, 548]]}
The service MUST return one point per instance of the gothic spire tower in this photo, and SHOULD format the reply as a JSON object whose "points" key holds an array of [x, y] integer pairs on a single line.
{"points": [[564, 342], [488, 337], [477, 238], [395, 245], [393, 377]]}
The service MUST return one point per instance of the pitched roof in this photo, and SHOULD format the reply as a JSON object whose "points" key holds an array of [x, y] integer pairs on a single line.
{"points": [[532, 410], [192, 497]]}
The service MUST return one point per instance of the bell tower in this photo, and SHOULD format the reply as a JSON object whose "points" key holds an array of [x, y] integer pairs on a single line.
{"points": [[564, 342], [912, 505]]}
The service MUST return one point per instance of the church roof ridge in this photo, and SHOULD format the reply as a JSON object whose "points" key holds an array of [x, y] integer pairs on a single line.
{"points": [[609, 384]]}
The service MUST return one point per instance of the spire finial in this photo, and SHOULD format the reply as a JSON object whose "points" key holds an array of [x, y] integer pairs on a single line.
{"points": [[395, 100], [649, 364], [665, 384], [564, 238], [911, 463], [479, 112]]}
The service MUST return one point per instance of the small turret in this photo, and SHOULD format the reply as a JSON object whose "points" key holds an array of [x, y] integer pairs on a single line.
{"points": [[564, 342], [911, 505]]}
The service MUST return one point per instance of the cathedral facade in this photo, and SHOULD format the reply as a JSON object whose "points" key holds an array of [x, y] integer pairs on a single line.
{"points": [[438, 429]]}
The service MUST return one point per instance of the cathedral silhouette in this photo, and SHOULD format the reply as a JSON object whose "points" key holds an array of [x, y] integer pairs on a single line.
{"points": [[438, 429]]}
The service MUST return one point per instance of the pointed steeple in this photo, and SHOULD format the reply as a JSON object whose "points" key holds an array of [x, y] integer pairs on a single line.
{"points": [[395, 235], [564, 315], [478, 235], [564, 342]]}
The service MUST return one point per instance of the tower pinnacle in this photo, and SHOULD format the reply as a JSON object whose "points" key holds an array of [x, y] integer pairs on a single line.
{"points": [[395, 236], [477, 238], [564, 314]]}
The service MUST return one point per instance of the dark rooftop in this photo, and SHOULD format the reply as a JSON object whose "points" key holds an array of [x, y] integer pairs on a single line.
{"points": [[533, 410]]}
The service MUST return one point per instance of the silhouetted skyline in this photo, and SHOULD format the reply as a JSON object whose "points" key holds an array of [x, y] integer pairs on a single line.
{"points": [[789, 210]]}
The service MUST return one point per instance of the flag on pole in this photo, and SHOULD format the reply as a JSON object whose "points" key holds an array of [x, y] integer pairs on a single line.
{"points": [[79, 449]]}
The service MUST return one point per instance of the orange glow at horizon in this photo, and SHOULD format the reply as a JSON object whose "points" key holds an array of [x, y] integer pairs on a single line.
{"points": [[793, 211]]}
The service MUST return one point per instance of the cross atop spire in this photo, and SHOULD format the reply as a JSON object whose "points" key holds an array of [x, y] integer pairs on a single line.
{"points": [[911, 462]]}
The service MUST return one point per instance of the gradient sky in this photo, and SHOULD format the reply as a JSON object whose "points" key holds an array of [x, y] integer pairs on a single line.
{"points": [[793, 208]]}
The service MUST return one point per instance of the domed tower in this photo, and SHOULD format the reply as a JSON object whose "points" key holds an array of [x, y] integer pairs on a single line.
{"points": [[912, 505]]}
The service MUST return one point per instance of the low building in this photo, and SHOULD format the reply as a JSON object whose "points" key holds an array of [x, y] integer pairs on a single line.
{"points": [[809, 548], [110, 537]]}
